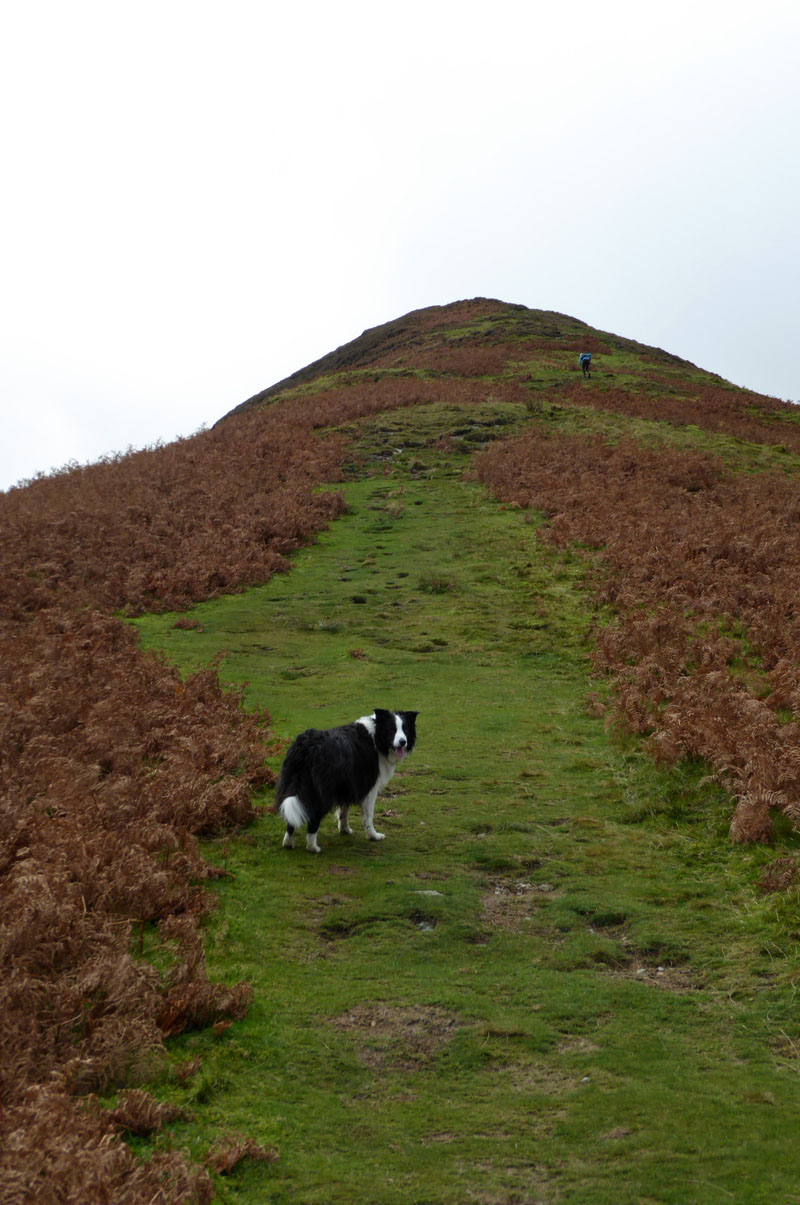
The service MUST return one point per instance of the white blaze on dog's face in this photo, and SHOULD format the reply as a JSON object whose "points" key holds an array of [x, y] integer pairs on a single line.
{"points": [[394, 732], [400, 743]]}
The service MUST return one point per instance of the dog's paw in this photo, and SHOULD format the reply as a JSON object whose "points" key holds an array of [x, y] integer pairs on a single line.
{"points": [[288, 842], [376, 836], [345, 830], [312, 846]]}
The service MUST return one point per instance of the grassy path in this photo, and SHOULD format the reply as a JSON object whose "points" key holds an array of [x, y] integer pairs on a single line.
{"points": [[554, 980]]}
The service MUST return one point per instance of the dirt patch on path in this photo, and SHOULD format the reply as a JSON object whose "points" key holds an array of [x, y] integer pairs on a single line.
{"points": [[399, 1037], [510, 902]]}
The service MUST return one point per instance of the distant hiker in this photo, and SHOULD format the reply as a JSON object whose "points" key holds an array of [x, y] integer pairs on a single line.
{"points": [[585, 362]]}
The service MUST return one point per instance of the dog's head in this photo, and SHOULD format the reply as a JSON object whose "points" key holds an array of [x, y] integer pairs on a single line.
{"points": [[395, 732]]}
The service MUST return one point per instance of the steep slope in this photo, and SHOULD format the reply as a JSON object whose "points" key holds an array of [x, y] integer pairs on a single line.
{"points": [[705, 652], [481, 322], [556, 963], [461, 351], [681, 490]]}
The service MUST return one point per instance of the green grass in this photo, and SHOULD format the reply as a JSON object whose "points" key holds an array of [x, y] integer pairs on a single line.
{"points": [[554, 980], [741, 455]]}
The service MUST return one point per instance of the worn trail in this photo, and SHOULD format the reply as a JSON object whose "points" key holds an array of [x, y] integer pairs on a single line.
{"points": [[542, 985]]}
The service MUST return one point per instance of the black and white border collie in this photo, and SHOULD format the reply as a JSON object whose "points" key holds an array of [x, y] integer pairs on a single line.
{"points": [[339, 767]]}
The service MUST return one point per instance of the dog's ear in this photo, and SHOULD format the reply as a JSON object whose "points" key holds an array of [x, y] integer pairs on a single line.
{"points": [[409, 719], [380, 713]]}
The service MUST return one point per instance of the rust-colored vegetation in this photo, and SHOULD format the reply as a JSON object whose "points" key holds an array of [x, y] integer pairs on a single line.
{"points": [[720, 408], [165, 527], [700, 566], [111, 766]]}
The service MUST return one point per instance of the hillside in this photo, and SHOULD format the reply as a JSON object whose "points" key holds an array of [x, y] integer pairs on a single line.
{"points": [[400, 342], [650, 541]]}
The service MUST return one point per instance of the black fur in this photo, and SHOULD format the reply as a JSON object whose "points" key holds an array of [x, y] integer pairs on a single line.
{"points": [[339, 767]]}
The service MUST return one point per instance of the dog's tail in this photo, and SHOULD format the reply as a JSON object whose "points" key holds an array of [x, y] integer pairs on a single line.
{"points": [[293, 811]]}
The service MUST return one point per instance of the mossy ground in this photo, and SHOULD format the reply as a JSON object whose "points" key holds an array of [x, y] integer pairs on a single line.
{"points": [[555, 979]]}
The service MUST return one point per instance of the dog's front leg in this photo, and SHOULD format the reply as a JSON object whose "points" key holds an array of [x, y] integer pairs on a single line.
{"points": [[342, 814], [368, 813]]}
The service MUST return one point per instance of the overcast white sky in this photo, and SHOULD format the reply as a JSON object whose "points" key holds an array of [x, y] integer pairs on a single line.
{"points": [[199, 198]]}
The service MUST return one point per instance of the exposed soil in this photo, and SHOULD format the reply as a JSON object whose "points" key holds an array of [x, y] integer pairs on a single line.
{"points": [[398, 1037], [510, 902]]}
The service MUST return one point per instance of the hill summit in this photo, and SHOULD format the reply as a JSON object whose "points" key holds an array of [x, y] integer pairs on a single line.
{"points": [[406, 343], [471, 349]]}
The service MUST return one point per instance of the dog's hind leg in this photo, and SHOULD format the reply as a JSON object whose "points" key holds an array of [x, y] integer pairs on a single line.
{"points": [[312, 844], [368, 814], [294, 814], [342, 814]]}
